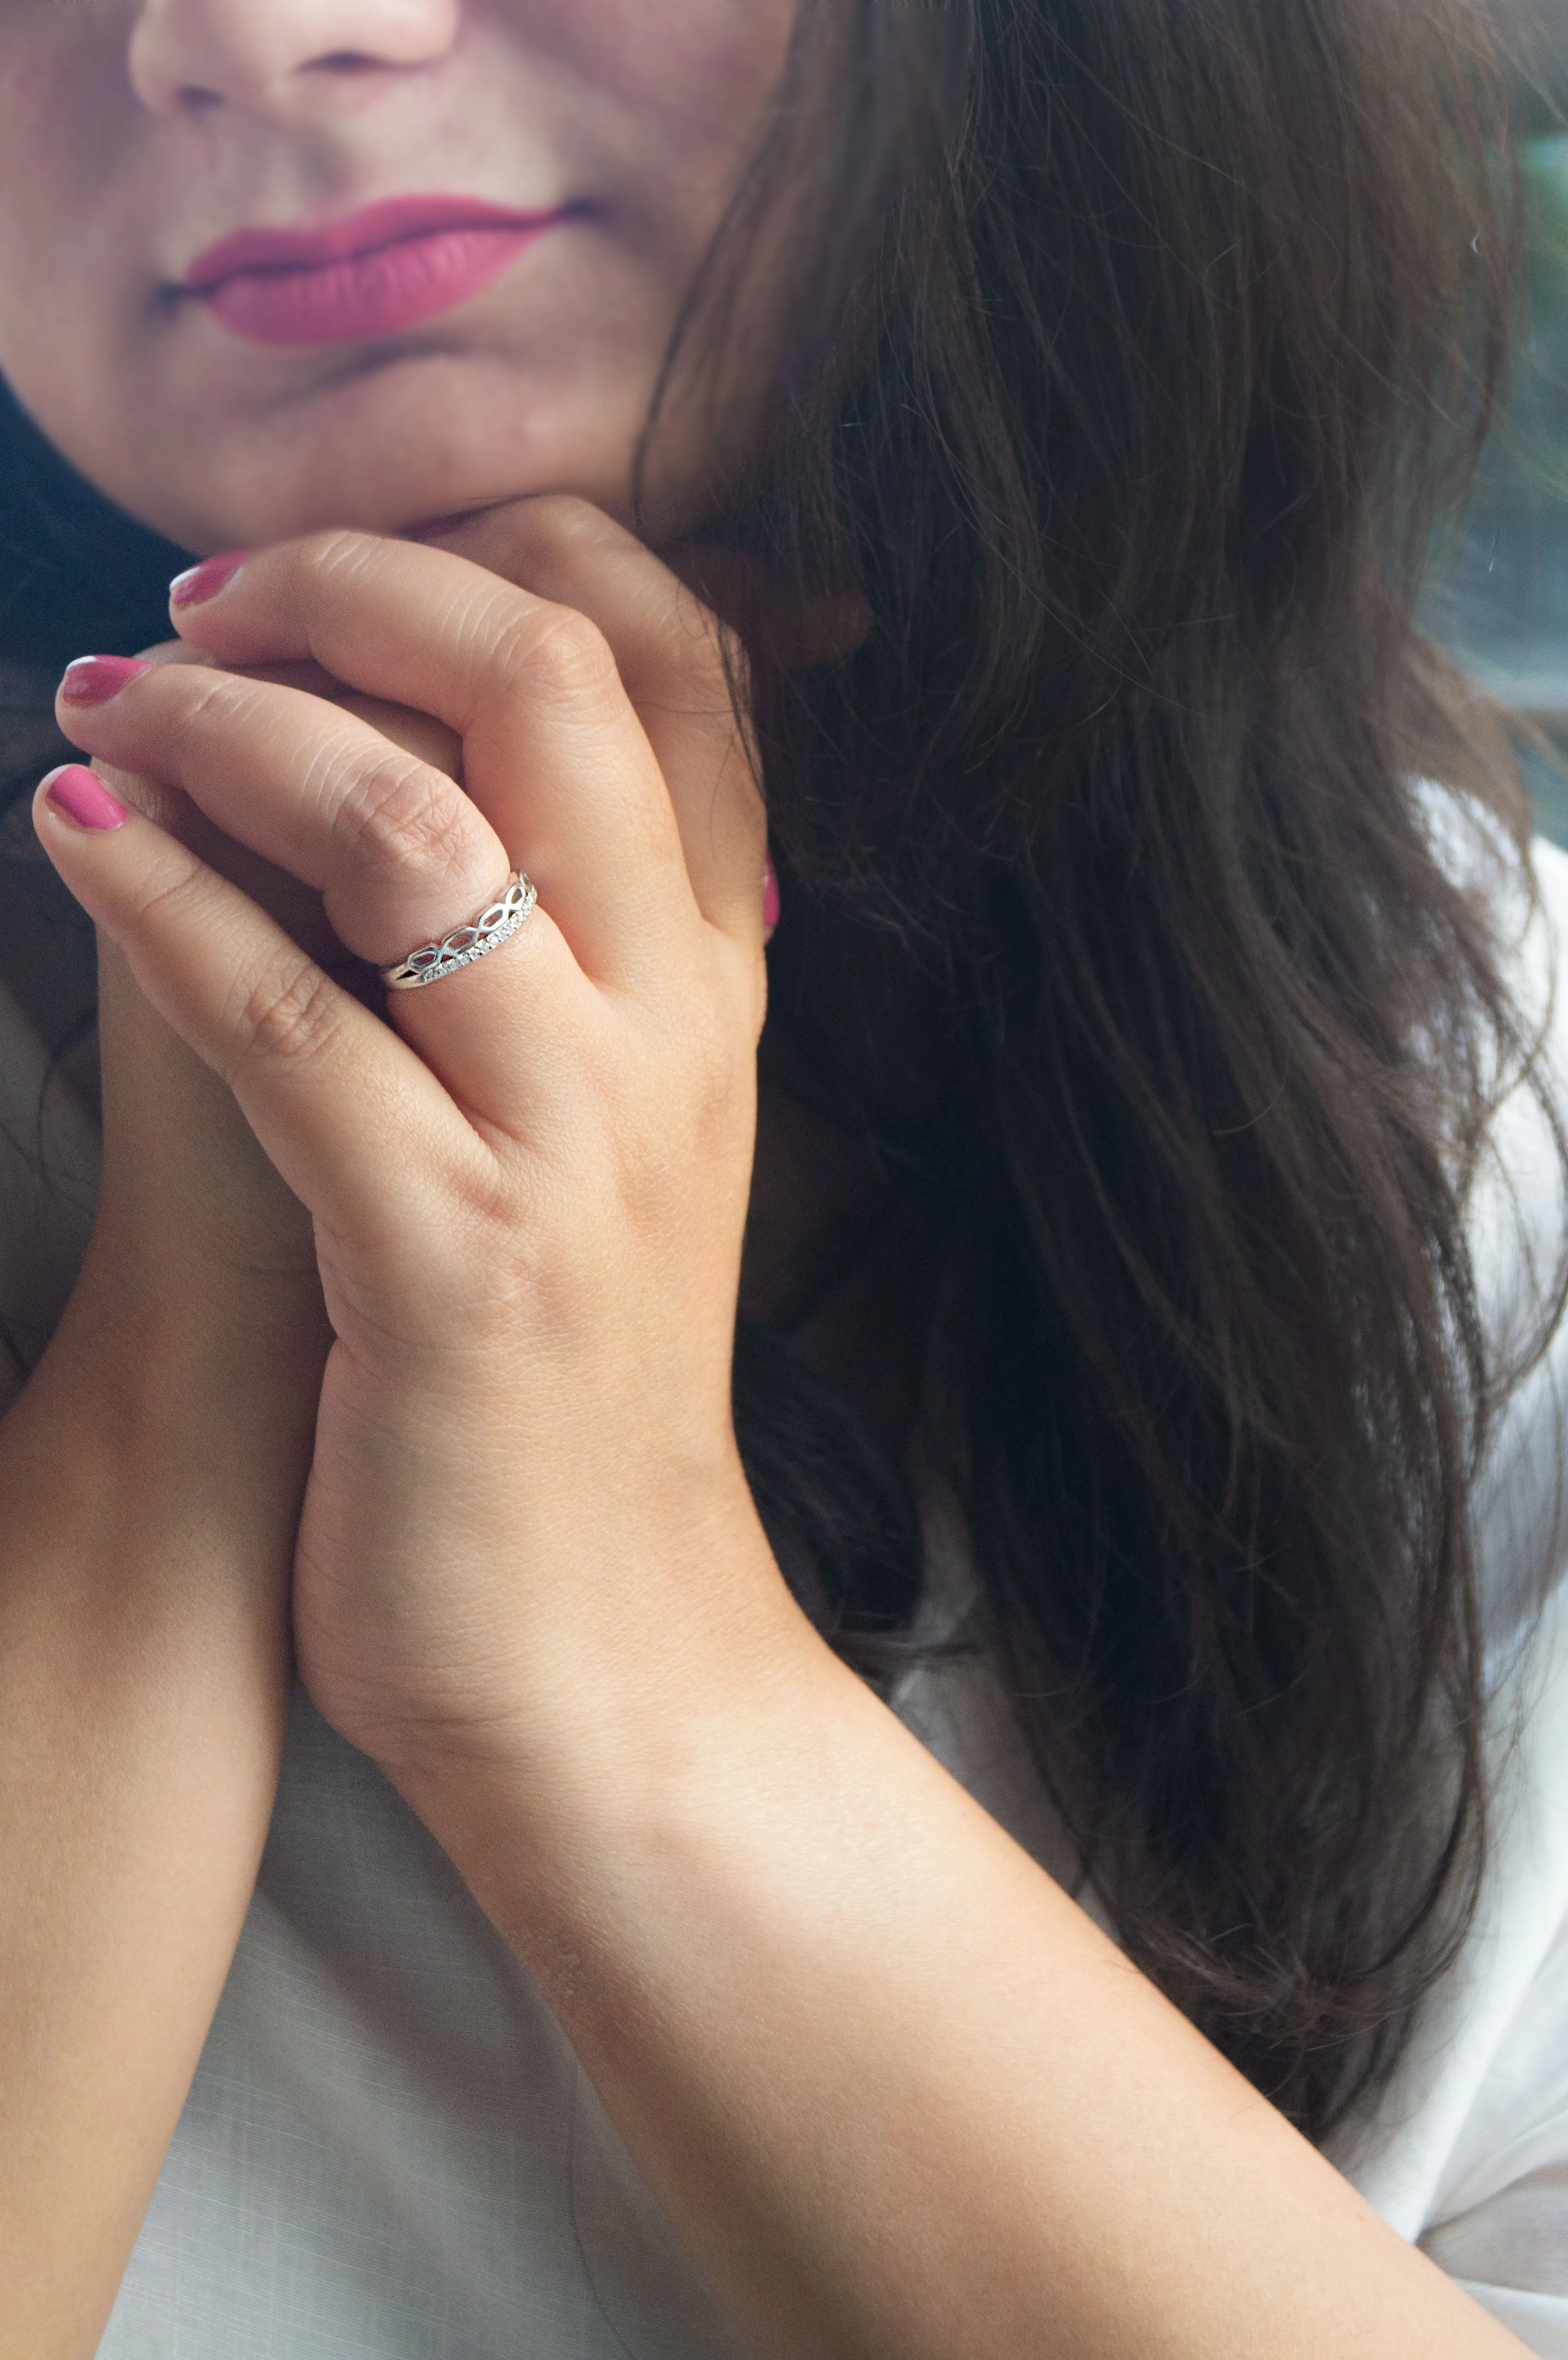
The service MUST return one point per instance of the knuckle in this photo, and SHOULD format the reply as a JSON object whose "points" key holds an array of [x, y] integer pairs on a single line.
{"points": [[558, 654], [400, 817], [284, 1009], [564, 524]]}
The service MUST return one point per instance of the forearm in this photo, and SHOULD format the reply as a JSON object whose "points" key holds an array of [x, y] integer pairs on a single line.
{"points": [[897, 2092], [143, 1674]]}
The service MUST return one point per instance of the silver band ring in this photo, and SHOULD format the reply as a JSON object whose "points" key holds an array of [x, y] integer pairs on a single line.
{"points": [[487, 931]]}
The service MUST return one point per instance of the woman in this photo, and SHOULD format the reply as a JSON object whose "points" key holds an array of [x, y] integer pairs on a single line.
{"points": [[1148, 1262]]}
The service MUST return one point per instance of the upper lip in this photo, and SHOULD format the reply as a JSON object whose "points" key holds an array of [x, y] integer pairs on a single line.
{"points": [[339, 241]]}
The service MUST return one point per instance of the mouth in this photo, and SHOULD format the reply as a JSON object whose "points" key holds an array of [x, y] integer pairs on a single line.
{"points": [[373, 274]]}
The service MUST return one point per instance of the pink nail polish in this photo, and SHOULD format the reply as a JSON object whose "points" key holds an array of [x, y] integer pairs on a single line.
{"points": [[769, 897], [204, 581], [93, 679], [84, 798]]}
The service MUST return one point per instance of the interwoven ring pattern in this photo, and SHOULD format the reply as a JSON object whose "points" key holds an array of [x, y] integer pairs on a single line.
{"points": [[487, 931]]}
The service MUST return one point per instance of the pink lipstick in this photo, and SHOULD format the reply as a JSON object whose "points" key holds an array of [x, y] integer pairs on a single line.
{"points": [[372, 273]]}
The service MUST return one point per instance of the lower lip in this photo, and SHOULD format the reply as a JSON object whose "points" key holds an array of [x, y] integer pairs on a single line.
{"points": [[369, 295]]}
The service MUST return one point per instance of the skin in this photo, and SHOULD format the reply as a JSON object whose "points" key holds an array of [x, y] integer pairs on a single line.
{"points": [[131, 138], [895, 2091]]}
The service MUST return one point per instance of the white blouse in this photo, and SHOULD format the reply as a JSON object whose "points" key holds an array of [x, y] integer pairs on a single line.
{"points": [[390, 2152]]}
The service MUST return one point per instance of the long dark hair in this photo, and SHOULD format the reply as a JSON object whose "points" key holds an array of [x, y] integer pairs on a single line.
{"points": [[1126, 352], [1130, 357]]}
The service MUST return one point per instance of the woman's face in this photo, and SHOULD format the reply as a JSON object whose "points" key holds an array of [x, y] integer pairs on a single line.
{"points": [[491, 212]]}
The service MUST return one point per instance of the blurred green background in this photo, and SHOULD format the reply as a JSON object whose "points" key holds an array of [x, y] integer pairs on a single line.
{"points": [[1503, 606], [1501, 602]]}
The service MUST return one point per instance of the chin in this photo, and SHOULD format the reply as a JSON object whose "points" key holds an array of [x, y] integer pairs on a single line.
{"points": [[405, 448]]}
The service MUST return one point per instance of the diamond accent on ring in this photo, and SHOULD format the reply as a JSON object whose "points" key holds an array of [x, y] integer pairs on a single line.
{"points": [[467, 943]]}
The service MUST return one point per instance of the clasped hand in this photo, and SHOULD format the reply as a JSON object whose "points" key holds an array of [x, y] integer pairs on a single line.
{"points": [[526, 1517]]}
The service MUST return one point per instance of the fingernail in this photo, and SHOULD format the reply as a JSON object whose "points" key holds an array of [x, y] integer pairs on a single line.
{"points": [[93, 679], [83, 797], [204, 581], [769, 897]]}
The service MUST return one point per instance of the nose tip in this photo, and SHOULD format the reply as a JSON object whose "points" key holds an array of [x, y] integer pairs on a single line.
{"points": [[275, 56]]}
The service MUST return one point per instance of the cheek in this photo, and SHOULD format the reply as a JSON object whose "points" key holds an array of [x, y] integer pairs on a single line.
{"points": [[67, 126], [690, 71]]}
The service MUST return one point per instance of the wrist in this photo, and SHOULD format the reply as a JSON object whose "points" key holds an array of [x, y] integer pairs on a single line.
{"points": [[143, 1580], [160, 1448], [549, 1809], [161, 1348]]}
